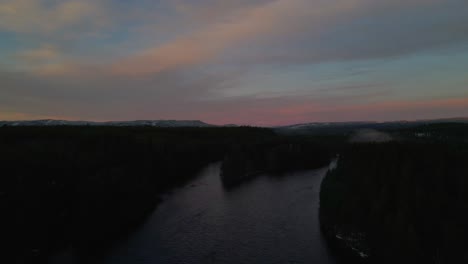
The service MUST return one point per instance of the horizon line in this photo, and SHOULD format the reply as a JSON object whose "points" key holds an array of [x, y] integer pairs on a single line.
{"points": [[252, 125]]}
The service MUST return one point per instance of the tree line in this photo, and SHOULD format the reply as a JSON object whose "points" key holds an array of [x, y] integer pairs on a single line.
{"points": [[405, 200], [85, 187]]}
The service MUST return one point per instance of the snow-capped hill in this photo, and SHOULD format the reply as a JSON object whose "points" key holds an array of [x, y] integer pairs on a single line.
{"points": [[45, 122], [153, 123], [448, 120], [325, 125], [349, 127], [159, 123]]}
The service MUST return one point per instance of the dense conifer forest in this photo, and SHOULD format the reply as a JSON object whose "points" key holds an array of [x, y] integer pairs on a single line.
{"points": [[405, 200], [271, 156], [87, 187], [84, 187]]}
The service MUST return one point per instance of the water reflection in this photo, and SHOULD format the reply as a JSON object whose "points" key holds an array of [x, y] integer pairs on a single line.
{"points": [[267, 220]]}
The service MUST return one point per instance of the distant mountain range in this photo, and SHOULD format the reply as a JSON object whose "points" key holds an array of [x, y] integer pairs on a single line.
{"points": [[152, 123], [319, 126], [340, 127]]}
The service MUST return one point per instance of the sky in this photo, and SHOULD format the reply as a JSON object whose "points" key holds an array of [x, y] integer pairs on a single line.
{"points": [[252, 62]]}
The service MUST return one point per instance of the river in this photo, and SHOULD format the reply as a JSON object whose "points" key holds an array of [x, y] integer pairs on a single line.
{"points": [[266, 220]]}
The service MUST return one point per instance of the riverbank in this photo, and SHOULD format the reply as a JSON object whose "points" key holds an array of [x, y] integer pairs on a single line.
{"points": [[396, 201], [271, 220], [85, 187]]}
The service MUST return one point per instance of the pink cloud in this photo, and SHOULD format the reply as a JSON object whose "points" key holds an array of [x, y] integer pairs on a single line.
{"points": [[271, 19], [296, 110], [226, 25]]}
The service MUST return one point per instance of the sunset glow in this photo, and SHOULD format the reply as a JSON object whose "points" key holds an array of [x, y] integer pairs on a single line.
{"points": [[256, 62]]}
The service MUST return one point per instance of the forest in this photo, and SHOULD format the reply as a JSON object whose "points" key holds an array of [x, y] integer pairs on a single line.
{"points": [[85, 187], [275, 157], [404, 200]]}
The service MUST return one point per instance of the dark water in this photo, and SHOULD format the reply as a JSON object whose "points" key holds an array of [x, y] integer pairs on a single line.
{"points": [[268, 220]]}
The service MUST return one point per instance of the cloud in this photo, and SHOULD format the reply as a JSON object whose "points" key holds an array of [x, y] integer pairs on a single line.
{"points": [[301, 31], [251, 32], [49, 60], [246, 24], [371, 30], [186, 66], [13, 116], [297, 110], [40, 16], [189, 95], [41, 54], [102, 98]]}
